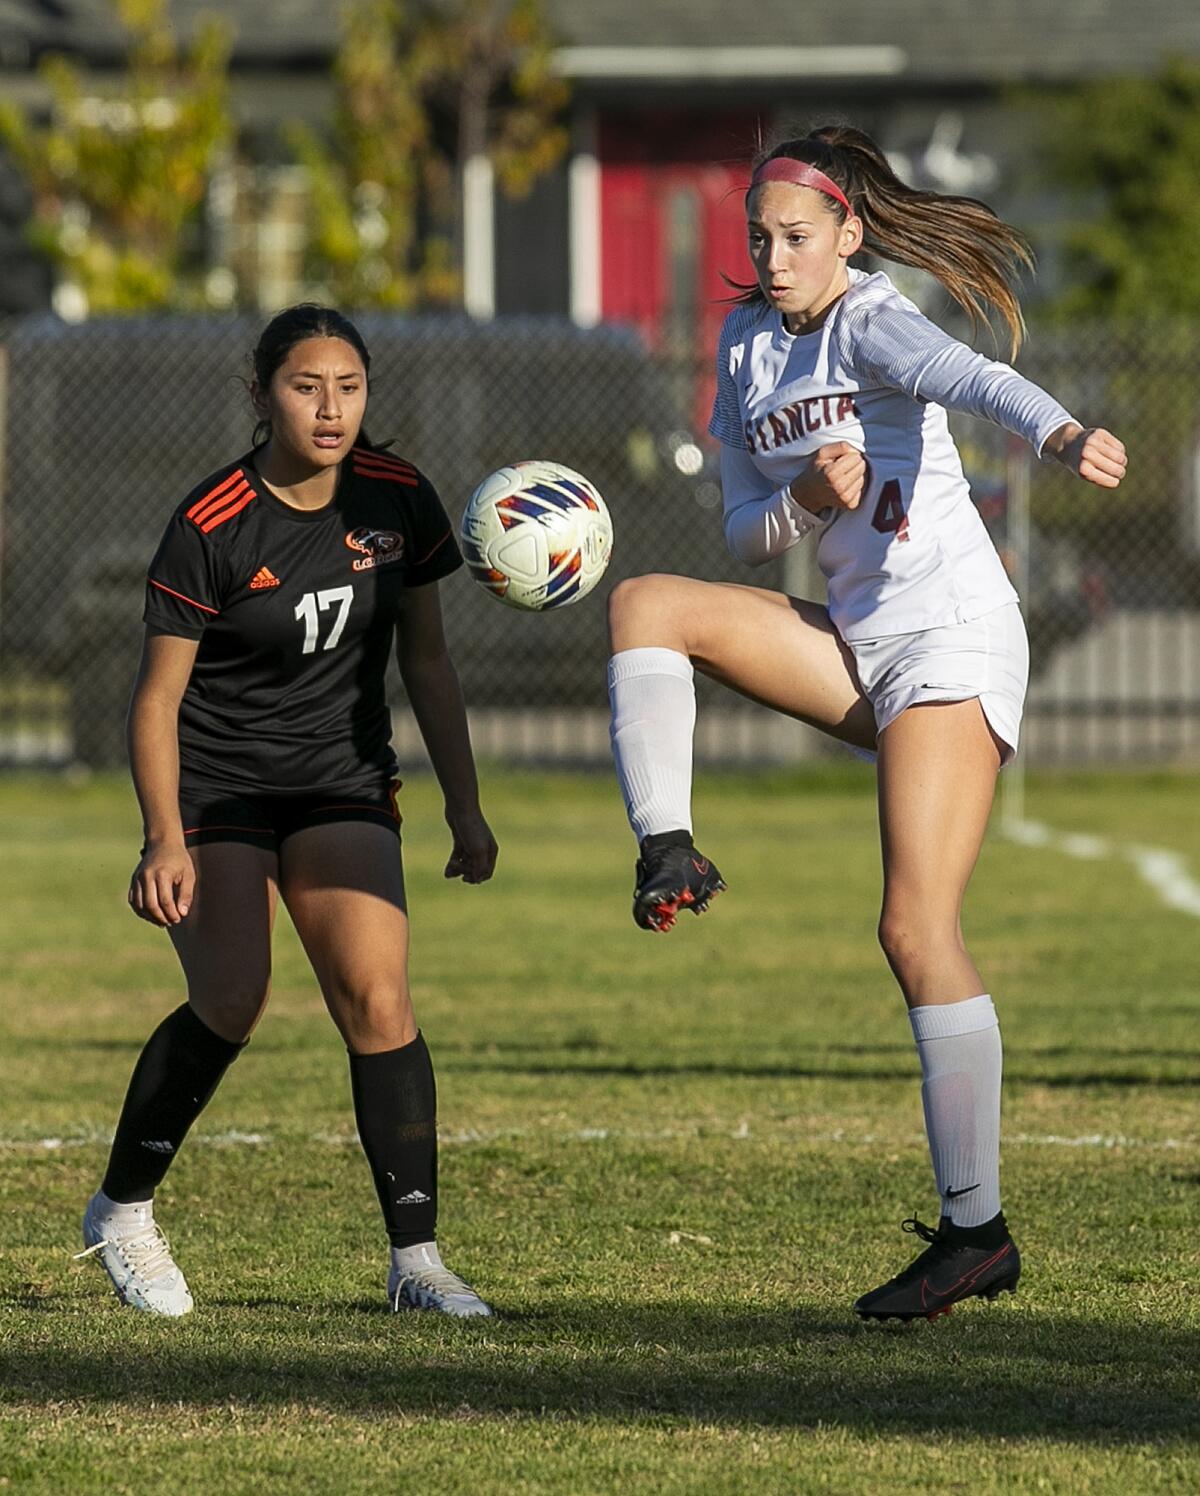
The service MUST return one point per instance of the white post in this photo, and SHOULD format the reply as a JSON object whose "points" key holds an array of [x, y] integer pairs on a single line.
{"points": [[479, 235], [583, 188]]}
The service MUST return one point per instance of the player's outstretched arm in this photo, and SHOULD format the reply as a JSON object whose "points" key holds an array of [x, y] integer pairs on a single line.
{"points": [[1095, 454], [437, 702]]}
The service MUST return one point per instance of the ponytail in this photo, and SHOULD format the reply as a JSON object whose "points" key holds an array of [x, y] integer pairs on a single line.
{"points": [[974, 254]]}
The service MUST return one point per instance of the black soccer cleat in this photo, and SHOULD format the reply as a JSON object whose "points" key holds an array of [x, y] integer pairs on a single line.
{"points": [[952, 1268], [672, 875]]}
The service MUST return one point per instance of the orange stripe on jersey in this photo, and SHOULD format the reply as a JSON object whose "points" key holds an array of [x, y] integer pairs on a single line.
{"points": [[436, 548], [214, 495], [238, 501], [370, 454], [204, 608], [388, 469], [215, 506], [394, 472], [388, 477]]}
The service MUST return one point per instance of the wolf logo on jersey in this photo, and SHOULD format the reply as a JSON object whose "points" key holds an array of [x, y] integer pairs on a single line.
{"points": [[378, 547]]}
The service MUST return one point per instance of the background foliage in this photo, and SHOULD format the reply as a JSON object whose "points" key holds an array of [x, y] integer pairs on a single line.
{"points": [[1128, 150], [120, 173], [119, 178]]}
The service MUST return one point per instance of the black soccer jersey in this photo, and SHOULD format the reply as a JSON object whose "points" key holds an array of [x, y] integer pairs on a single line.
{"points": [[295, 611]]}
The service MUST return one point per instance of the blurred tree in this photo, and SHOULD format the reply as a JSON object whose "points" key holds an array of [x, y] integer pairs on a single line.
{"points": [[1130, 147], [422, 88], [118, 180], [25, 275], [1128, 150]]}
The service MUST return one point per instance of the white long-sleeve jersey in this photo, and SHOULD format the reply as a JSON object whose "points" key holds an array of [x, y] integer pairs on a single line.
{"points": [[879, 375]]}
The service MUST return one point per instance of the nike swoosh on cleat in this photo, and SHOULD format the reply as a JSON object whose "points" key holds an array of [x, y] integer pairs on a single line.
{"points": [[967, 1281]]}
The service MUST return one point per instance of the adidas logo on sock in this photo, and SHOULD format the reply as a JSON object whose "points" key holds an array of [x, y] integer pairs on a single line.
{"points": [[414, 1197], [163, 1147]]}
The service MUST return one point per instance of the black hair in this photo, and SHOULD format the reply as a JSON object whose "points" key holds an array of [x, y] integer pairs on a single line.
{"points": [[296, 324]]}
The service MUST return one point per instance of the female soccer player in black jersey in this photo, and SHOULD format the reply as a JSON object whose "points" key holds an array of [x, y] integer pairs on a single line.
{"points": [[259, 739]]}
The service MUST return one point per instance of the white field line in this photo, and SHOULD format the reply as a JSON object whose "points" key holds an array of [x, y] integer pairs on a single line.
{"points": [[1166, 872], [697, 1131]]}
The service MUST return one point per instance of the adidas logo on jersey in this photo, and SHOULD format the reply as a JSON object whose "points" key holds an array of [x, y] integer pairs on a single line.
{"points": [[414, 1197], [263, 577]]}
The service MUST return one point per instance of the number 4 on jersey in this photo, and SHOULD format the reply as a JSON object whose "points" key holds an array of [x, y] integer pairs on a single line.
{"points": [[307, 609], [889, 516]]}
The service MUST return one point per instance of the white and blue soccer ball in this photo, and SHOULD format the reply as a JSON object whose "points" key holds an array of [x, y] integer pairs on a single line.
{"points": [[537, 535]]}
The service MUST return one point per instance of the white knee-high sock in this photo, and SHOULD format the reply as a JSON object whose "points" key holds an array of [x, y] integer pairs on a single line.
{"points": [[959, 1046], [653, 700]]}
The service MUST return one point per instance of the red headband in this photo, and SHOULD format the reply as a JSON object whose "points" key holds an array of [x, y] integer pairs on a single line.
{"points": [[799, 174]]}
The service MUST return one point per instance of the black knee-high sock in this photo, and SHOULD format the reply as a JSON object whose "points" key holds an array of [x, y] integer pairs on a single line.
{"points": [[172, 1082], [395, 1105]]}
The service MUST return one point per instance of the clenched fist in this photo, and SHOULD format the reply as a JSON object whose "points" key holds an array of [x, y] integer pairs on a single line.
{"points": [[1096, 455], [835, 478]]}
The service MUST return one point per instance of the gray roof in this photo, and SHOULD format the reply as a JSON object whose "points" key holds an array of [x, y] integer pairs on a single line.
{"points": [[945, 40], [924, 41]]}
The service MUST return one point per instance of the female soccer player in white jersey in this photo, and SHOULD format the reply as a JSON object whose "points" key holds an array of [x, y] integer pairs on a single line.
{"points": [[832, 391], [259, 740]]}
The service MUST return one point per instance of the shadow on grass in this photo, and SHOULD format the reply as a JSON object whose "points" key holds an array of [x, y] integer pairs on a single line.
{"points": [[1022, 1068], [983, 1371], [846, 1062], [1016, 1068]]}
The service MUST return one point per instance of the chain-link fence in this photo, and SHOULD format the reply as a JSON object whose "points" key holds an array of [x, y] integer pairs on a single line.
{"points": [[106, 426]]}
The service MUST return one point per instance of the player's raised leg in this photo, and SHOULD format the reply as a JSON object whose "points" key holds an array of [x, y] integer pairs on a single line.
{"points": [[769, 647], [937, 773], [224, 948], [344, 888]]}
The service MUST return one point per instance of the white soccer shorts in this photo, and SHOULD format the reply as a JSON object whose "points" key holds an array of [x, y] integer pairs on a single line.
{"points": [[987, 658]]}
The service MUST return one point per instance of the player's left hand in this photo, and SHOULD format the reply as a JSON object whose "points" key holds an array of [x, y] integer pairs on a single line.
{"points": [[1095, 454], [473, 858]]}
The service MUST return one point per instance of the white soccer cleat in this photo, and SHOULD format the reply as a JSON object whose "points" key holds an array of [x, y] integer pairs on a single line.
{"points": [[421, 1280], [135, 1255]]}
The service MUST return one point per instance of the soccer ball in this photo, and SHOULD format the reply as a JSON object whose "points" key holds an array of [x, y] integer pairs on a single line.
{"points": [[536, 535]]}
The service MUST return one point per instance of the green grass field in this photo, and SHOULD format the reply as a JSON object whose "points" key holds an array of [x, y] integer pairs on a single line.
{"points": [[670, 1163]]}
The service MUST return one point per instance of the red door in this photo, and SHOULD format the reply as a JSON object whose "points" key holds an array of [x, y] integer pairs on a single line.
{"points": [[672, 185]]}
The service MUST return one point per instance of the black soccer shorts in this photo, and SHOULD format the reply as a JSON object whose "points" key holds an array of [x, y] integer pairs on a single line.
{"points": [[214, 813]]}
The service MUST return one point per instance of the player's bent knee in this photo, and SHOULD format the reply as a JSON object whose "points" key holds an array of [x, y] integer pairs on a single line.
{"points": [[630, 597], [233, 1014], [648, 609], [623, 600], [893, 937], [909, 940], [374, 1017]]}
